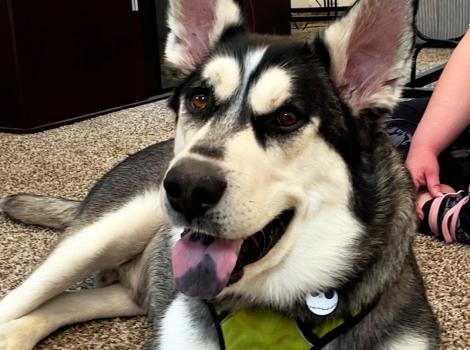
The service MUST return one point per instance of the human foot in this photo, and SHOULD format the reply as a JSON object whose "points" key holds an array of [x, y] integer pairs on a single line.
{"points": [[446, 217]]}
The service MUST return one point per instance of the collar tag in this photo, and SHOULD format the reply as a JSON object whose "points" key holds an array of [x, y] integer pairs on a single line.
{"points": [[322, 304]]}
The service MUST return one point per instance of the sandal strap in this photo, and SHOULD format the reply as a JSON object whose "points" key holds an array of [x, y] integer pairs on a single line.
{"points": [[449, 221], [449, 231], [434, 214]]}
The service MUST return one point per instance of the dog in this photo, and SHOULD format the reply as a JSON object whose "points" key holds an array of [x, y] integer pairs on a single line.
{"points": [[279, 217]]}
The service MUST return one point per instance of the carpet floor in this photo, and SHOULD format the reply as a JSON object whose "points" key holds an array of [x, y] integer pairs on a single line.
{"points": [[66, 161]]}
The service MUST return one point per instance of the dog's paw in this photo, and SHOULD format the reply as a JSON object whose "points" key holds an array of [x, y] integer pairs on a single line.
{"points": [[17, 335]]}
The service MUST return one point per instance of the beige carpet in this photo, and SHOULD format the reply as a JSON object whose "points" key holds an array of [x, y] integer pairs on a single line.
{"points": [[68, 160]]}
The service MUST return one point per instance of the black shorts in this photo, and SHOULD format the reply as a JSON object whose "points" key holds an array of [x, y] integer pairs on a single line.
{"points": [[454, 162]]}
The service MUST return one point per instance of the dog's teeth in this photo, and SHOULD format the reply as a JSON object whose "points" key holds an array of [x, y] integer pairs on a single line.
{"points": [[185, 232]]}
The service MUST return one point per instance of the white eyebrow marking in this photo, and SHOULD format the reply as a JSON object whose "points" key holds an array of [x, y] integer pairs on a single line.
{"points": [[223, 73], [270, 91], [252, 60]]}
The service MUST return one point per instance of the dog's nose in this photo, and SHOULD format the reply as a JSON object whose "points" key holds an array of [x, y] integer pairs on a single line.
{"points": [[193, 187]]}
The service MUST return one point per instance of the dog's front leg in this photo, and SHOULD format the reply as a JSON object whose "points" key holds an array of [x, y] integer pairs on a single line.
{"points": [[187, 324], [109, 241], [68, 308]]}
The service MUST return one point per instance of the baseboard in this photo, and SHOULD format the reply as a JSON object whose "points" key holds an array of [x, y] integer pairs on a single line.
{"points": [[82, 117]]}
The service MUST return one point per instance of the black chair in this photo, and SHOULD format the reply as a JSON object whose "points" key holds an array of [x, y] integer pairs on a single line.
{"points": [[325, 11], [439, 24]]}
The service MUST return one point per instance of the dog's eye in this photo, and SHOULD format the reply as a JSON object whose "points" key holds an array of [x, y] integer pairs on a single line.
{"points": [[287, 119], [199, 101]]}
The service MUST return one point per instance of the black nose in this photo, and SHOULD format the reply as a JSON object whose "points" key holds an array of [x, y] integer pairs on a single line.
{"points": [[193, 187]]}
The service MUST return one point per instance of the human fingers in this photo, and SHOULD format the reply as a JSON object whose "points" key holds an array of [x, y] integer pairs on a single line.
{"points": [[447, 189], [433, 182], [418, 179]]}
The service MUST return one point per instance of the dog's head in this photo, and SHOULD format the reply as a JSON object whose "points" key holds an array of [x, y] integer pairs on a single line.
{"points": [[267, 133]]}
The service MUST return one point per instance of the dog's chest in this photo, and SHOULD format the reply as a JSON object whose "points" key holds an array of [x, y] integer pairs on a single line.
{"points": [[315, 326]]}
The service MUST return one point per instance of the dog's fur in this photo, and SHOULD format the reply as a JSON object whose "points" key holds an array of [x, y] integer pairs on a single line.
{"points": [[239, 168]]}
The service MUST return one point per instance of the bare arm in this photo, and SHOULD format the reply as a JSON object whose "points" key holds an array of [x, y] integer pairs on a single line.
{"points": [[445, 118]]}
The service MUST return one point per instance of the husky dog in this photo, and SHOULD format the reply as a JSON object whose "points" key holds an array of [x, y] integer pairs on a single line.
{"points": [[279, 207]]}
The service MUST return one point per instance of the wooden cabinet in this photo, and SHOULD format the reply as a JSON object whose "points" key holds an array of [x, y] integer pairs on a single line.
{"points": [[267, 16], [67, 60]]}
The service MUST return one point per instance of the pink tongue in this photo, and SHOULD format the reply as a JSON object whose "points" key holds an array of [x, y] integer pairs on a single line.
{"points": [[203, 269]]}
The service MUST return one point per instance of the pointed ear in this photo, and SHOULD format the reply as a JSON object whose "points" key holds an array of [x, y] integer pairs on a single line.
{"points": [[370, 50], [194, 28]]}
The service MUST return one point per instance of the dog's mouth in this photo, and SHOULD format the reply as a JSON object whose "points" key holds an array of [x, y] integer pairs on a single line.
{"points": [[203, 265]]}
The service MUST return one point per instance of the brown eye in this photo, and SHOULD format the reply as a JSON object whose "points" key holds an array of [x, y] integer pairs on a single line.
{"points": [[199, 101], [287, 119]]}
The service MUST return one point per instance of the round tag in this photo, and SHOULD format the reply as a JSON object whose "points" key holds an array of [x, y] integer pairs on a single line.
{"points": [[322, 304]]}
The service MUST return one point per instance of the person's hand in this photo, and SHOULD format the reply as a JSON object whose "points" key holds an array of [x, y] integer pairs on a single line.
{"points": [[424, 169]]}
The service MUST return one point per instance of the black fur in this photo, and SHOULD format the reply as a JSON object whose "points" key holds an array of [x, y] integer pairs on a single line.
{"points": [[384, 269]]}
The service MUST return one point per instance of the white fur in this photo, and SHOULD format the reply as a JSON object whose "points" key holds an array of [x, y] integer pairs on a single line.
{"points": [[177, 330], [68, 308], [338, 37], [318, 185], [408, 342], [106, 243], [175, 54], [223, 73], [252, 60], [176, 51], [270, 91], [179, 135], [187, 136], [305, 172], [227, 14]]}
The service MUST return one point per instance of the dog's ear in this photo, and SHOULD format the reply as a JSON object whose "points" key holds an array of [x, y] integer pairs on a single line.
{"points": [[369, 51], [195, 26]]}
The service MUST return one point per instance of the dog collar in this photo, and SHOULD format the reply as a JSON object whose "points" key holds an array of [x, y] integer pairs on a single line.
{"points": [[260, 328]]}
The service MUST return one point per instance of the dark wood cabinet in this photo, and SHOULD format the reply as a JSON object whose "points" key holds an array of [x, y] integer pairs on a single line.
{"points": [[267, 16], [64, 60]]}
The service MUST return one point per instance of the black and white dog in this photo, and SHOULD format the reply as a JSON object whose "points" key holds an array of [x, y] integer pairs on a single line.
{"points": [[280, 216]]}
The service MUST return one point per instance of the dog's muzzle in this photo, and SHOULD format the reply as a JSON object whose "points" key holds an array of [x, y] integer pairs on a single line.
{"points": [[204, 263]]}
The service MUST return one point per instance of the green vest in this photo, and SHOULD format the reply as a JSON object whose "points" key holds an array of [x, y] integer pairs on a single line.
{"points": [[261, 329]]}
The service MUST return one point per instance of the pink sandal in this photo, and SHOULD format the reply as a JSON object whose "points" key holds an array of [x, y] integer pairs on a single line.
{"points": [[448, 217]]}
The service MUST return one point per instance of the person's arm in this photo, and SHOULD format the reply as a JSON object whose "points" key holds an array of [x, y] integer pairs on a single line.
{"points": [[445, 118]]}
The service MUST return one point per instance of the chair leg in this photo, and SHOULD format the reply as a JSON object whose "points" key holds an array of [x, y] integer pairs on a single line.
{"points": [[418, 49]]}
